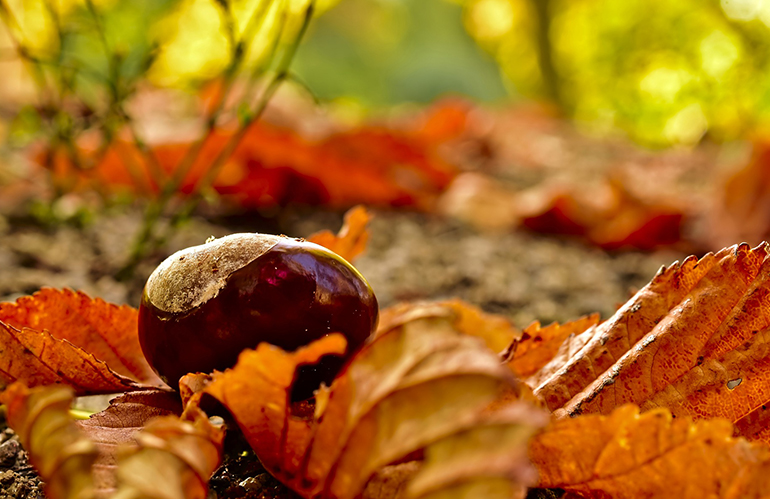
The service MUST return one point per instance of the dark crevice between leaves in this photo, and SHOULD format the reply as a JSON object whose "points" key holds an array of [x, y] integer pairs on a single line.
{"points": [[545, 493], [242, 476], [18, 479]]}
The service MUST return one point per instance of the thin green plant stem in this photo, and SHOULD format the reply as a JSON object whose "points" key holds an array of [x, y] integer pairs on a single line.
{"points": [[251, 83], [281, 74], [155, 209], [13, 23], [188, 161], [115, 108]]}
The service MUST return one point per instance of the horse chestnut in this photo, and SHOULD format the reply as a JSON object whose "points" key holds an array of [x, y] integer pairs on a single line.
{"points": [[203, 305]]}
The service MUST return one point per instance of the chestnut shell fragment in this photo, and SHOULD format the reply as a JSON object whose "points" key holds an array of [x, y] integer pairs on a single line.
{"points": [[291, 294]]}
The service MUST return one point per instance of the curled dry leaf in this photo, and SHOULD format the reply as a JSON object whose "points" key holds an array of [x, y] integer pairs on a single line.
{"points": [[60, 452], [420, 384], [487, 460], [60, 336], [628, 455], [118, 424], [173, 458], [694, 340], [538, 345], [497, 331], [351, 240]]}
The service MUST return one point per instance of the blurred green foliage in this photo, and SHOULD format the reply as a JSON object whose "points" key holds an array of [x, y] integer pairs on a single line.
{"points": [[664, 72], [387, 52]]}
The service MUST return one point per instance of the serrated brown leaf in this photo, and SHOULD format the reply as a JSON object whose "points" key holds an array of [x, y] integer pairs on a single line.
{"points": [[351, 239], [118, 424], [60, 452], [693, 340], [414, 386], [632, 455], [538, 345], [104, 330], [37, 359]]}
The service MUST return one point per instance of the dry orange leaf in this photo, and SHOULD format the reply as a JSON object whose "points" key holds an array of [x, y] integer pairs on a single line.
{"points": [[62, 336], [61, 454], [632, 455], [496, 330], [106, 330], [118, 424], [413, 387], [486, 460], [173, 458], [693, 340], [38, 359], [538, 345], [351, 239]]}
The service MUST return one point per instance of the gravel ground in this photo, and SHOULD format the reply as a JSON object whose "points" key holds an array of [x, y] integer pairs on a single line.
{"points": [[410, 257]]}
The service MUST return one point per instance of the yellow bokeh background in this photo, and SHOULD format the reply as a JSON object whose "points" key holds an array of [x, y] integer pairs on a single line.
{"points": [[662, 72]]}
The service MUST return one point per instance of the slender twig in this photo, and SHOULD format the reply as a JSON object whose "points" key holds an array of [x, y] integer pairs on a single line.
{"points": [[155, 209]]}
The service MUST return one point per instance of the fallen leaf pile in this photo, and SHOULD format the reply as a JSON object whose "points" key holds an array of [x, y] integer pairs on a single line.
{"points": [[516, 168], [667, 398], [275, 165]]}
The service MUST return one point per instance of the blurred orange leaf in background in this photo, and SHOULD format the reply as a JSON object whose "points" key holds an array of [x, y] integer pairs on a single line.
{"points": [[275, 165]]}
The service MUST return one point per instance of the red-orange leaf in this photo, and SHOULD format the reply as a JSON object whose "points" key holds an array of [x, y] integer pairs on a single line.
{"points": [[105, 330], [276, 165], [351, 239], [37, 358]]}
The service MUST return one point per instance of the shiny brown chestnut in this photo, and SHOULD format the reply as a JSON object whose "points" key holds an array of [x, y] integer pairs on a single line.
{"points": [[203, 305]]}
